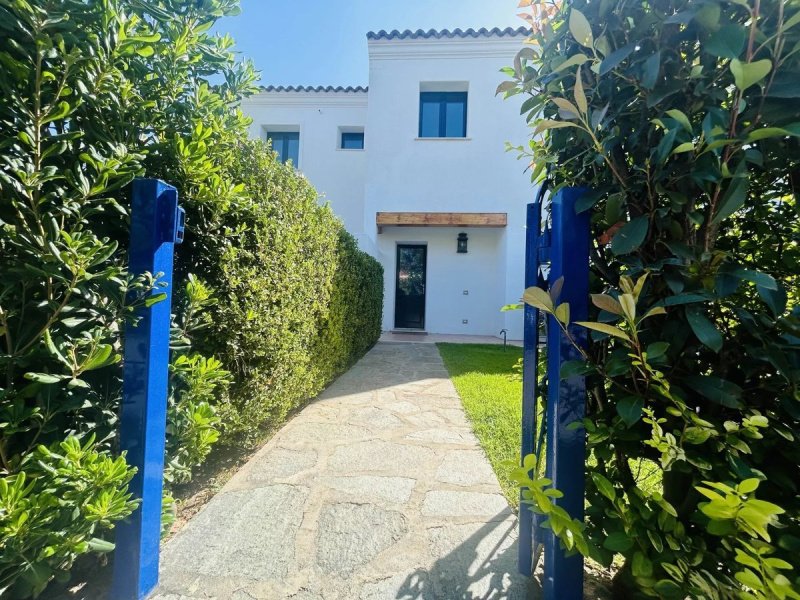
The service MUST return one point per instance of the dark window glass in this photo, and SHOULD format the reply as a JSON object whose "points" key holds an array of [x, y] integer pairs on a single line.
{"points": [[286, 144], [443, 114], [352, 140]]}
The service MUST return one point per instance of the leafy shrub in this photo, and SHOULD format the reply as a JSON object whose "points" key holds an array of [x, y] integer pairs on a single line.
{"points": [[52, 508], [272, 325], [682, 118], [355, 311]]}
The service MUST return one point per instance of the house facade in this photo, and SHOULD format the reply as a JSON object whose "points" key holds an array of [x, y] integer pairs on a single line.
{"points": [[415, 166]]}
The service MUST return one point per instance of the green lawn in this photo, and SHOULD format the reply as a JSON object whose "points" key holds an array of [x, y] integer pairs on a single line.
{"points": [[492, 397]]}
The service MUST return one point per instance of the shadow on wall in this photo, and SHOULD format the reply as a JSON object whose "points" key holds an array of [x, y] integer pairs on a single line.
{"points": [[482, 566]]}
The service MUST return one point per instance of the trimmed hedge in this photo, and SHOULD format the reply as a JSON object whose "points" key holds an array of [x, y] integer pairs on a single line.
{"points": [[298, 302], [353, 322]]}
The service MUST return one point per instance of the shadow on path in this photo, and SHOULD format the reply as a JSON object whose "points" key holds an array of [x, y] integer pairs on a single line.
{"points": [[483, 566]]}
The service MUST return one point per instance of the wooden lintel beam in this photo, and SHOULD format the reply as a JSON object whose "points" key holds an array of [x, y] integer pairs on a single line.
{"points": [[440, 219]]}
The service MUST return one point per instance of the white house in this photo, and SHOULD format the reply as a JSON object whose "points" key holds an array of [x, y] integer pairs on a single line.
{"points": [[415, 166]]}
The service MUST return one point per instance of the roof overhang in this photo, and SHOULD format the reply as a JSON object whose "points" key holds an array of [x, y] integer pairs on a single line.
{"points": [[440, 219]]}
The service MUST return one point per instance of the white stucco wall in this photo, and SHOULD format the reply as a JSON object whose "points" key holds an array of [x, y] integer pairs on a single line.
{"points": [[399, 172], [479, 272], [338, 175], [472, 174]]}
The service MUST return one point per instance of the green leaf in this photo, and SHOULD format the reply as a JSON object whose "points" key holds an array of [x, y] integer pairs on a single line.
{"points": [[715, 389], [155, 299], [760, 279], [630, 409], [630, 237], [685, 147], [604, 486], [619, 541], [607, 303], [60, 111], [768, 132], [735, 195], [657, 350], [46, 378], [604, 328], [580, 28], [641, 565], [546, 124], [613, 60], [747, 74], [669, 590], [506, 86], [696, 435], [776, 300], [650, 71], [580, 95], [538, 298], [727, 42], [748, 486], [575, 368], [704, 329], [102, 357], [575, 59], [587, 201], [101, 546], [681, 118], [562, 313]]}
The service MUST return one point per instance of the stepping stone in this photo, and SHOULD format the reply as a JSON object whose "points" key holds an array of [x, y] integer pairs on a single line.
{"points": [[380, 456], [245, 533], [352, 535], [442, 436], [466, 468], [445, 503], [396, 490], [280, 463]]}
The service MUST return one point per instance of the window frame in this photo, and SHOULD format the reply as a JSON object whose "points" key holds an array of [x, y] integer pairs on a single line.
{"points": [[344, 134], [443, 99], [283, 137]]}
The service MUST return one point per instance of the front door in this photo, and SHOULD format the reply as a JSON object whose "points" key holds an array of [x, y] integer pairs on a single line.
{"points": [[409, 303]]}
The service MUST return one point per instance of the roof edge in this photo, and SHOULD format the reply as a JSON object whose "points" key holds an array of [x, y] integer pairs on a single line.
{"points": [[358, 89], [421, 34]]}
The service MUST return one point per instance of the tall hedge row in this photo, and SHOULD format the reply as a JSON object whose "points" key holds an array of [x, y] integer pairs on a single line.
{"points": [[93, 94], [298, 302]]}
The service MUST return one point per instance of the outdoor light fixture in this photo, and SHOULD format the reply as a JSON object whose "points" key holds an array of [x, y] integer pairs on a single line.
{"points": [[462, 243]]}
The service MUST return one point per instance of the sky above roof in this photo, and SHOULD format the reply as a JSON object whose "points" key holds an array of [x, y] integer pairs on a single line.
{"points": [[324, 42]]}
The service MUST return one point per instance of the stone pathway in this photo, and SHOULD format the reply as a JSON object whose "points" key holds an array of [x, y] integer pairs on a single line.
{"points": [[377, 490]]}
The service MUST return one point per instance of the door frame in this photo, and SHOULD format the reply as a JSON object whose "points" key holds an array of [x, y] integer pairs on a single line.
{"points": [[424, 280]]}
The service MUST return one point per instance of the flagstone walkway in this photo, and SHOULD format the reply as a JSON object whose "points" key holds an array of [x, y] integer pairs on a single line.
{"points": [[377, 490]]}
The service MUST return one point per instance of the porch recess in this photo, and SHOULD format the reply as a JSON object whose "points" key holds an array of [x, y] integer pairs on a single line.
{"points": [[440, 219]]}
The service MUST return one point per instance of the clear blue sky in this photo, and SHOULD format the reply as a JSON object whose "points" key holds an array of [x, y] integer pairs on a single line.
{"points": [[319, 42]]}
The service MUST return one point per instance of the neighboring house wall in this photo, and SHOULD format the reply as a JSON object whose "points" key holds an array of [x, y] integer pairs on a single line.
{"points": [[318, 115], [399, 172]]}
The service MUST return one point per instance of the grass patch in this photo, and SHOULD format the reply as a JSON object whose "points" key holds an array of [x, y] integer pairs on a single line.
{"points": [[492, 399]]}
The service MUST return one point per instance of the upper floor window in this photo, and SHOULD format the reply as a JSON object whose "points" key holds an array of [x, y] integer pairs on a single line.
{"points": [[352, 140], [443, 114], [286, 144]]}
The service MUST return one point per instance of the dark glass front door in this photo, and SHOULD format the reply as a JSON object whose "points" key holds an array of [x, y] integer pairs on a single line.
{"points": [[409, 304]]}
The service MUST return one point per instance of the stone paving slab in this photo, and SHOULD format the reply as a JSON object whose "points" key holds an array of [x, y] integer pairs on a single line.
{"points": [[377, 490]]}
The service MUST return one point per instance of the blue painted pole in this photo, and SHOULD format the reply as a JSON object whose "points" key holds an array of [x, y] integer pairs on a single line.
{"points": [[566, 402], [530, 357], [156, 226]]}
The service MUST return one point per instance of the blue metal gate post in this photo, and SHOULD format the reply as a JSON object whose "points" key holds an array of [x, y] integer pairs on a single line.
{"points": [[156, 226], [530, 357], [566, 401]]}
